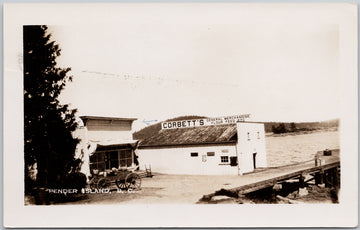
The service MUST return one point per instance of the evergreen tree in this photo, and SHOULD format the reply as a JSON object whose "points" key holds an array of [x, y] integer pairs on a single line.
{"points": [[274, 129], [281, 128], [47, 124]]}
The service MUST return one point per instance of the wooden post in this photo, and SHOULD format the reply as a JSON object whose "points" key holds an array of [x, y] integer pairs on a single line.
{"points": [[331, 176], [327, 178], [118, 159], [274, 190], [322, 174], [318, 178], [302, 181], [336, 177], [132, 157]]}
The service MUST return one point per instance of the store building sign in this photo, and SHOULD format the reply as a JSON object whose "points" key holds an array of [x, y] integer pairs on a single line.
{"points": [[204, 122]]}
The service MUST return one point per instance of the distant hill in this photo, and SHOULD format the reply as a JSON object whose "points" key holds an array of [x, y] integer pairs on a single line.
{"points": [[300, 126], [304, 126]]}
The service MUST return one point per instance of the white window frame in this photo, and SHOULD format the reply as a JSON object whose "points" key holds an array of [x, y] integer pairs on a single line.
{"points": [[225, 157]]}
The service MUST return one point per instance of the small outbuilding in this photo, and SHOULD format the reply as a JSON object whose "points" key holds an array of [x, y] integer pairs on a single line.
{"points": [[106, 143], [230, 149]]}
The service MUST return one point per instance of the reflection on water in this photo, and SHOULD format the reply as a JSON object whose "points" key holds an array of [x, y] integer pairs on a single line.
{"points": [[284, 150]]}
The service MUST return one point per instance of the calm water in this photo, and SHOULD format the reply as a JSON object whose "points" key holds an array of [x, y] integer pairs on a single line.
{"points": [[284, 150]]}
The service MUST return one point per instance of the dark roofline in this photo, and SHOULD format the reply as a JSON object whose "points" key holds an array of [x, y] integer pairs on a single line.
{"points": [[107, 118], [85, 119], [188, 144], [253, 122]]}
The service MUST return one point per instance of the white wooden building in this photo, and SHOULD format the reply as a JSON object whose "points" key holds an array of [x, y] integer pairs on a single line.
{"points": [[231, 149], [106, 143]]}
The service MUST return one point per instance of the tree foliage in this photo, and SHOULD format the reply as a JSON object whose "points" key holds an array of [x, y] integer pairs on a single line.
{"points": [[293, 127], [281, 128], [47, 124]]}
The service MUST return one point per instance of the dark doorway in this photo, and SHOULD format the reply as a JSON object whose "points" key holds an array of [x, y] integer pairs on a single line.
{"points": [[254, 160], [233, 161]]}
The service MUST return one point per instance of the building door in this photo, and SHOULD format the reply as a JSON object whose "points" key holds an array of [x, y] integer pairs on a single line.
{"points": [[112, 158], [254, 160], [234, 161]]}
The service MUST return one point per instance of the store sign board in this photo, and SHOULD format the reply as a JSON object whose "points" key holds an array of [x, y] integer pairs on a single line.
{"points": [[204, 122]]}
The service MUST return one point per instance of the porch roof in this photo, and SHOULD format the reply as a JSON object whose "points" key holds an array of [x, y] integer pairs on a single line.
{"points": [[112, 144]]}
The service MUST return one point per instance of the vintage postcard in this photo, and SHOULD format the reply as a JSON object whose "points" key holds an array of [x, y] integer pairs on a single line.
{"points": [[180, 115]]}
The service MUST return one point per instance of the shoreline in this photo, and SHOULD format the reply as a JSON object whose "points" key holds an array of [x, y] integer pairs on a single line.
{"points": [[271, 134]]}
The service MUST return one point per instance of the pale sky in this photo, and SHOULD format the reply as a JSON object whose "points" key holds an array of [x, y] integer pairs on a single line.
{"points": [[275, 72]]}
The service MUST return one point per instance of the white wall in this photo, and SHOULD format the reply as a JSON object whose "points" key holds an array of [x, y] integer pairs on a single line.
{"points": [[251, 139], [82, 151], [99, 130], [177, 160], [102, 130]]}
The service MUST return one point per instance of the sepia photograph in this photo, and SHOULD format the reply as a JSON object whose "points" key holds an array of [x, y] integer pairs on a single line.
{"points": [[138, 105]]}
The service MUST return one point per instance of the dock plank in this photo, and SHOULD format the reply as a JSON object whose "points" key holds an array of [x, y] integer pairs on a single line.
{"points": [[269, 177]]}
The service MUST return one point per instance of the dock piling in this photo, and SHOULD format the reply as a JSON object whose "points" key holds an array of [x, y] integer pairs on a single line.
{"points": [[302, 181]]}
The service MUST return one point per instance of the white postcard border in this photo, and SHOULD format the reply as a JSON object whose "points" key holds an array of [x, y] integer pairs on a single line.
{"points": [[16, 214]]}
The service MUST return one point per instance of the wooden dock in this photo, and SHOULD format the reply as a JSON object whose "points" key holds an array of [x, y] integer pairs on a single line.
{"points": [[326, 167]]}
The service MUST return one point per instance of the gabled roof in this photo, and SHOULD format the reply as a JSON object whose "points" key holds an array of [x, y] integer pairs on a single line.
{"points": [[193, 136]]}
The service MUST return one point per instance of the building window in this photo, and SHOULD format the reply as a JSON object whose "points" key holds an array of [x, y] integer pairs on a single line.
{"points": [[125, 158], [103, 160], [210, 154], [258, 134], [194, 154], [248, 134], [224, 159], [113, 159], [97, 161]]}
